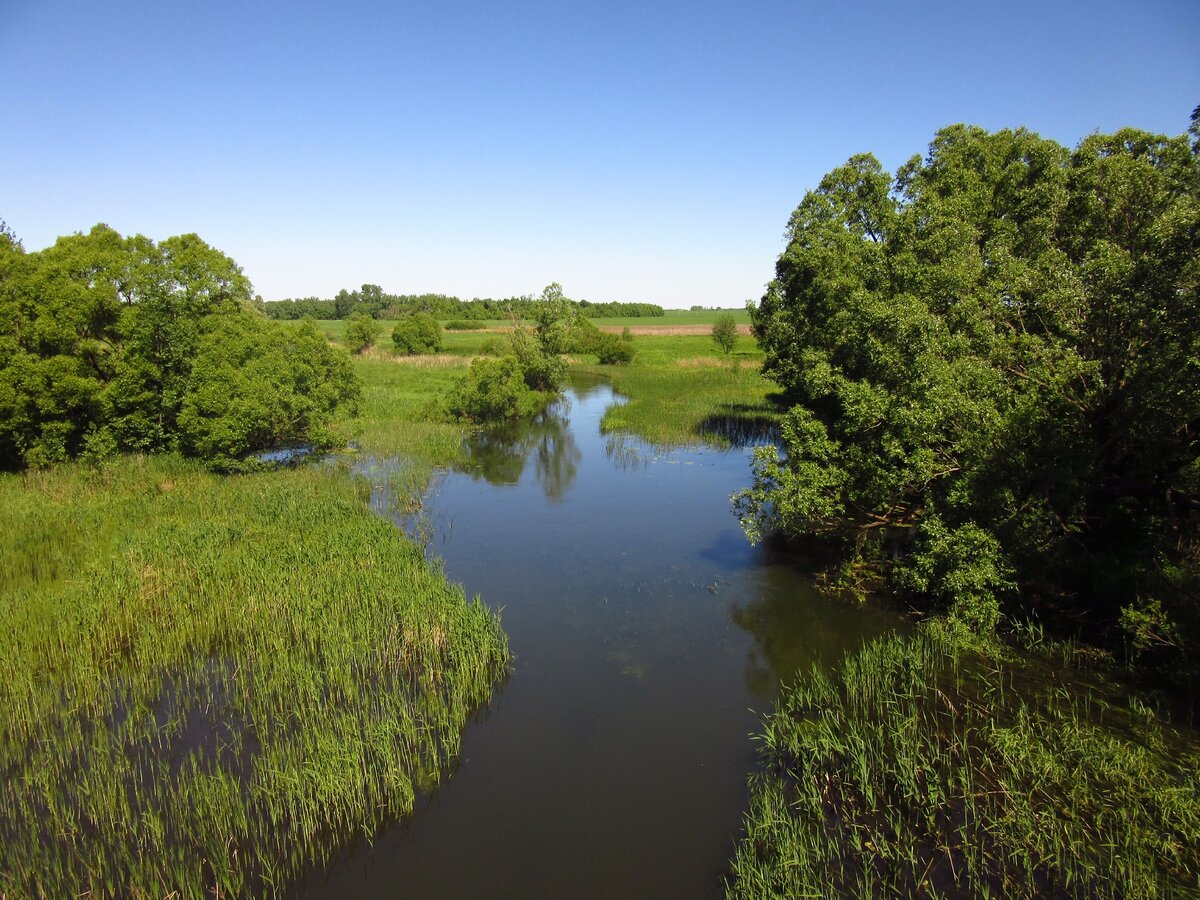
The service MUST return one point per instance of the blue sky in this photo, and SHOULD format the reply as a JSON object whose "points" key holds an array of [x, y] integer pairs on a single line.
{"points": [[631, 151]]}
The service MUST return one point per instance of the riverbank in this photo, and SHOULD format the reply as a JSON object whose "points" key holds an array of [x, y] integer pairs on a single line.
{"points": [[927, 767], [210, 682]]}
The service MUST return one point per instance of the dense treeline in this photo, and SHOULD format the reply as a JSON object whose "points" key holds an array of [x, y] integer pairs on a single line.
{"points": [[371, 299], [110, 343], [993, 365]]}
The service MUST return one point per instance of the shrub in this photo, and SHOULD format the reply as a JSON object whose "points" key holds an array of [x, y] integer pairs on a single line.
{"points": [[493, 390], [495, 346], [257, 384], [417, 334], [542, 369], [361, 332], [462, 325], [724, 332], [615, 351]]}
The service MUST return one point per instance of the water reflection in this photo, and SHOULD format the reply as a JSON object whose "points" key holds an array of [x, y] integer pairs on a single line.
{"points": [[646, 632], [626, 453], [499, 455], [743, 425]]}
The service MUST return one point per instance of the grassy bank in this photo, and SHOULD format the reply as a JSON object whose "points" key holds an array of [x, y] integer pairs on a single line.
{"points": [[401, 415], [209, 682], [923, 769], [683, 390]]}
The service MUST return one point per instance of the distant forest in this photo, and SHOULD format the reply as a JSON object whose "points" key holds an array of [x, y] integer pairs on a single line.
{"points": [[371, 299]]}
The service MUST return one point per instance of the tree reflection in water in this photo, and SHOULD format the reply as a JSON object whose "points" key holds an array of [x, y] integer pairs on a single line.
{"points": [[500, 454]]}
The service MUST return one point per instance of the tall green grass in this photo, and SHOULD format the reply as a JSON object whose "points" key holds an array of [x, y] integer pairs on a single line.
{"points": [[920, 768], [683, 390], [403, 411], [209, 683]]}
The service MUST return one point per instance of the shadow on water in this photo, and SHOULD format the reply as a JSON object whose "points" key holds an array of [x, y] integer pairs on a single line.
{"points": [[743, 425], [648, 637]]}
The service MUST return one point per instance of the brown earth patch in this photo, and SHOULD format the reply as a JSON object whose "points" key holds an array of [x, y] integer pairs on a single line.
{"points": [[668, 330]]}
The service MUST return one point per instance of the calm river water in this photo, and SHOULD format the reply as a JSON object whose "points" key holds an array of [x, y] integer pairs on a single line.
{"points": [[649, 637]]}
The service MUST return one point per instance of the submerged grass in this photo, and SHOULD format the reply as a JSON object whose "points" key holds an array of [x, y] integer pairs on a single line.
{"points": [[208, 683], [920, 768]]}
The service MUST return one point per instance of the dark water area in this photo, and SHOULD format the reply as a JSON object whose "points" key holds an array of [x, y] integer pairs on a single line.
{"points": [[649, 638]]}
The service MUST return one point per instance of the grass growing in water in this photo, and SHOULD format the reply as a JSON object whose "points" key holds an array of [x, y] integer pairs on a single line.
{"points": [[680, 393], [921, 769], [209, 683]]}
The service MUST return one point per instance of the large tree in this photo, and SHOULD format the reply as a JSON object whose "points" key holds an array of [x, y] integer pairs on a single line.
{"points": [[994, 364], [98, 337]]}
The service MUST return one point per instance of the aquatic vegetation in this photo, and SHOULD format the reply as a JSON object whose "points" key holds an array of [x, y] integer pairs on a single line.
{"points": [[675, 404], [922, 768], [209, 683]]}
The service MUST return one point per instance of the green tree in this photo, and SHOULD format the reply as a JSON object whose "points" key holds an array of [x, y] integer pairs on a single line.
{"points": [[992, 361], [724, 332], [98, 336], [494, 390], [258, 384], [361, 331], [417, 333]]}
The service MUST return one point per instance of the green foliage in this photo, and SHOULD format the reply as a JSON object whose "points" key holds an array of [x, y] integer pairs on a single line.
{"points": [[98, 336], [583, 337], [209, 685], [417, 334], [920, 768], [724, 332], [371, 299], [962, 569], [361, 332], [257, 384], [461, 325], [614, 350], [530, 368], [995, 352], [494, 390]]}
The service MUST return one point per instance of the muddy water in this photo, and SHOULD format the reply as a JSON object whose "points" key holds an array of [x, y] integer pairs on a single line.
{"points": [[648, 636]]}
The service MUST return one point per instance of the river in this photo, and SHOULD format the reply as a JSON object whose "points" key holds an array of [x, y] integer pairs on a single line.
{"points": [[649, 637]]}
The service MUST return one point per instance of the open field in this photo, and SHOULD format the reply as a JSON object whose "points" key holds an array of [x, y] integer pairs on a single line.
{"points": [[681, 390], [694, 321], [664, 330]]}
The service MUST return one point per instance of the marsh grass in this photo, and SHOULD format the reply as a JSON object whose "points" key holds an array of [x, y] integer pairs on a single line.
{"points": [[403, 412], [209, 683], [680, 394], [922, 768]]}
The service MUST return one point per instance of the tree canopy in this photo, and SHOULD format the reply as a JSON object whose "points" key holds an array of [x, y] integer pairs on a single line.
{"points": [[993, 365], [99, 336], [372, 300]]}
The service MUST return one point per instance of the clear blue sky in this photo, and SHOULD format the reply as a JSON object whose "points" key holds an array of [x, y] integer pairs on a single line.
{"points": [[629, 150]]}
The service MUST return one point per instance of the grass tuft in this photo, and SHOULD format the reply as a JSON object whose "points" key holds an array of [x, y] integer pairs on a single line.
{"points": [[922, 768]]}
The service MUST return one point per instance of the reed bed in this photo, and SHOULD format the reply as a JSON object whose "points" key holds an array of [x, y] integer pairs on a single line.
{"points": [[210, 683], [920, 768]]}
